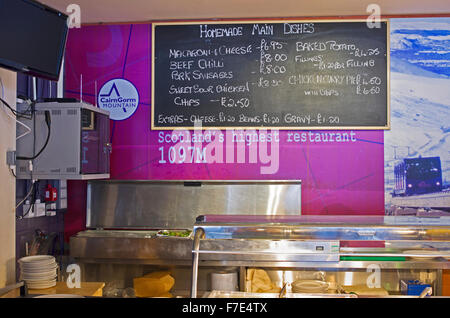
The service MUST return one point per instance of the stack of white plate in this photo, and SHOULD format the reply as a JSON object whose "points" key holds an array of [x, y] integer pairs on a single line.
{"points": [[39, 272]]}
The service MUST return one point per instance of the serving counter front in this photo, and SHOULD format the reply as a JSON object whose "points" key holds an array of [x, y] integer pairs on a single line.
{"points": [[369, 256]]}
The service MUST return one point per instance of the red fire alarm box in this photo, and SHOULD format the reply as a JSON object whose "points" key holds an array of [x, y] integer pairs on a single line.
{"points": [[51, 194]]}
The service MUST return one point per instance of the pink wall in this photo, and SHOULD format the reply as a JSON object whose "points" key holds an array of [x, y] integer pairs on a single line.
{"points": [[338, 178]]}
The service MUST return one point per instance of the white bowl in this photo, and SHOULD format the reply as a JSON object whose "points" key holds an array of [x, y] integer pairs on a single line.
{"points": [[37, 264], [31, 276], [41, 281], [37, 259], [38, 278], [41, 285], [39, 268]]}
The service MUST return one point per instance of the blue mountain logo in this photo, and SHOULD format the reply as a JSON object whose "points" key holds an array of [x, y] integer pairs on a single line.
{"points": [[113, 88], [120, 97]]}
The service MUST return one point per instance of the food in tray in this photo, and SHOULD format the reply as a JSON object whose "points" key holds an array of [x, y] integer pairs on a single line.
{"points": [[156, 284], [258, 281], [363, 290], [175, 233]]}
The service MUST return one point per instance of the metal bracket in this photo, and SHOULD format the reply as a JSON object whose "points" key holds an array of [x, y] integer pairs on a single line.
{"points": [[11, 157], [22, 285]]}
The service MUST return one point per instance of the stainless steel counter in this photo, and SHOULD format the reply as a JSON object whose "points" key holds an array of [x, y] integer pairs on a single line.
{"points": [[251, 224], [343, 246], [307, 244]]}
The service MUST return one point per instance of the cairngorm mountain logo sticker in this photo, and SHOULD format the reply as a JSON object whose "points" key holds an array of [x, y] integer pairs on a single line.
{"points": [[120, 97]]}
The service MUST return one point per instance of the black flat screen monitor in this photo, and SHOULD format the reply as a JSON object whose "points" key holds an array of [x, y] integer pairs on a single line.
{"points": [[32, 38]]}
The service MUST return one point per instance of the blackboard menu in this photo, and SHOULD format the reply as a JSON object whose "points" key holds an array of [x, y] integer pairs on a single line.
{"points": [[271, 74]]}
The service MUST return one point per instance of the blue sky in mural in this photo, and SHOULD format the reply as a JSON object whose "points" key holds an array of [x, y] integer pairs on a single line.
{"points": [[424, 44], [420, 94]]}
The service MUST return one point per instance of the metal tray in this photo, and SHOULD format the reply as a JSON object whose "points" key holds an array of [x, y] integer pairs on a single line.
{"points": [[235, 294]]}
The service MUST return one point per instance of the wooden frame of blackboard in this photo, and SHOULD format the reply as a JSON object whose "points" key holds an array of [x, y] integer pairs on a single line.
{"points": [[231, 22]]}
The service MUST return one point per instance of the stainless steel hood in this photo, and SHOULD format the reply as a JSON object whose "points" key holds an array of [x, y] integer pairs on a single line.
{"points": [[176, 204]]}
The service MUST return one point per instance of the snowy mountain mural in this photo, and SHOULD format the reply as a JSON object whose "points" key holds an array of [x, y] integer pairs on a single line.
{"points": [[420, 95]]}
